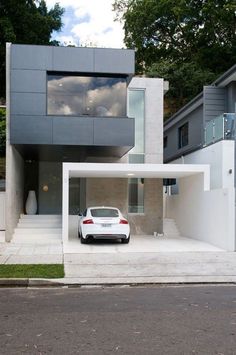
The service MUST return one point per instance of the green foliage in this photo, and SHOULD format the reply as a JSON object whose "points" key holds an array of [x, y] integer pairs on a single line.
{"points": [[47, 271], [189, 42], [185, 30], [2, 132], [26, 22], [185, 81]]}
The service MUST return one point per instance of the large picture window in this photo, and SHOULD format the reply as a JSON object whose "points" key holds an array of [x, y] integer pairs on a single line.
{"points": [[86, 95]]}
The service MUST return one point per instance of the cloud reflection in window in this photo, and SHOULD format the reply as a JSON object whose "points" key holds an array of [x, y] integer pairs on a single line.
{"points": [[84, 95]]}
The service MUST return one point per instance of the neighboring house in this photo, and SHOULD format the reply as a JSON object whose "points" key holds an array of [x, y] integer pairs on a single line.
{"points": [[73, 105], [203, 132], [209, 117]]}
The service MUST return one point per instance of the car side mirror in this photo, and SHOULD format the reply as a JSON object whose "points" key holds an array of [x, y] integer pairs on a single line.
{"points": [[80, 214]]}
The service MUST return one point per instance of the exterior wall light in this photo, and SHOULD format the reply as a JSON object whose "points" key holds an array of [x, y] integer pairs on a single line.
{"points": [[45, 188]]}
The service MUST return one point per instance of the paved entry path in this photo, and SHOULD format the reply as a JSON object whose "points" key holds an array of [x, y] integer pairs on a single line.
{"points": [[31, 253], [114, 263]]}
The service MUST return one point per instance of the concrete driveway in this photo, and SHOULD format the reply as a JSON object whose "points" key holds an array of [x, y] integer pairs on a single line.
{"points": [[147, 259]]}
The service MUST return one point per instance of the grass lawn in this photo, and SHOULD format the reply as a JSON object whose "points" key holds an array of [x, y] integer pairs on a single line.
{"points": [[44, 271]]}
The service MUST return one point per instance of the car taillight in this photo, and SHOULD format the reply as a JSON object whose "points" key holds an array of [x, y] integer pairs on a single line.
{"points": [[123, 221], [88, 221]]}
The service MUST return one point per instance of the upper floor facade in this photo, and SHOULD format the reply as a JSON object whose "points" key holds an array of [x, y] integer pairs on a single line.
{"points": [[69, 99]]}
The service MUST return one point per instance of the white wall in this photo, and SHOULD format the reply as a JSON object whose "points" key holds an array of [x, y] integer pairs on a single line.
{"points": [[14, 189], [220, 156], [152, 218], [154, 92], [2, 210], [204, 215]]}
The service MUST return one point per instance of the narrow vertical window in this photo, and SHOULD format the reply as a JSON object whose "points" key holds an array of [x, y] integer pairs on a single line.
{"points": [[183, 135], [136, 109], [165, 141]]}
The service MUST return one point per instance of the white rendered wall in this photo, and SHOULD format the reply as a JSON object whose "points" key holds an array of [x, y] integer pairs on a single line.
{"points": [[220, 157], [154, 92], [152, 218], [14, 189], [2, 210], [14, 167], [204, 215]]}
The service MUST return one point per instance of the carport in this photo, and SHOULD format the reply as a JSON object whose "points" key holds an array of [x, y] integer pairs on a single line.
{"points": [[200, 174]]}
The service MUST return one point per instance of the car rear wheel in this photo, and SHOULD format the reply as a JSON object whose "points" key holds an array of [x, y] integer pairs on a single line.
{"points": [[126, 241], [83, 240]]}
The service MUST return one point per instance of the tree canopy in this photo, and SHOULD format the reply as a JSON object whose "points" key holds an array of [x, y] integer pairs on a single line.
{"points": [[28, 22], [172, 36]]}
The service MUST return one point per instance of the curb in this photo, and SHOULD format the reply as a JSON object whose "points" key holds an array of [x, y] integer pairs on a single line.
{"points": [[25, 283], [29, 283]]}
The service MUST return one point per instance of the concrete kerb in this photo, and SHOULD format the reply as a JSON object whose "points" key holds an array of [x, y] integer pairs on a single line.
{"points": [[27, 283]]}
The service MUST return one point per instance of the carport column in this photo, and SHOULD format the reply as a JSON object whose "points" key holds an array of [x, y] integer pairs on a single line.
{"points": [[65, 203]]}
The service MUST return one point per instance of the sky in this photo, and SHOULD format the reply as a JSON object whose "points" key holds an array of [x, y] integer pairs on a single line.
{"points": [[89, 23]]}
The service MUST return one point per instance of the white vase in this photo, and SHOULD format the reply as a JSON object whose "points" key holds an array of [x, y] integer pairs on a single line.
{"points": [[31, 203]]}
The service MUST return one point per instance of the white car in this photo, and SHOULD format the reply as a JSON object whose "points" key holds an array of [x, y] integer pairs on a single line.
{"points": [[103, 223]]}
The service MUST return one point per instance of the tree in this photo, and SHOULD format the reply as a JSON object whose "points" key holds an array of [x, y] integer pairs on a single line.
{"points": [[28, 22], [203, 31], [185, 82], [184, 34]]}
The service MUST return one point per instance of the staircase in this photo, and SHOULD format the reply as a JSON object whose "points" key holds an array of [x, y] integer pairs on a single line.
{"points": [[38, 229], [170, 228]]}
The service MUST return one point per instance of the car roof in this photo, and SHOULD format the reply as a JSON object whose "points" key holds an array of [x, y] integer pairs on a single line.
{"points": [[93, 207]]}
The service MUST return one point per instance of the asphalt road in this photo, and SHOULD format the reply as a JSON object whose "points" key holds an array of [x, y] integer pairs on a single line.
{"points": [[135, 320]]}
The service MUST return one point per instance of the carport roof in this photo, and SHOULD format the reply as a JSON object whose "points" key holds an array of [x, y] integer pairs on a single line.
{"points": [[114, 170]]}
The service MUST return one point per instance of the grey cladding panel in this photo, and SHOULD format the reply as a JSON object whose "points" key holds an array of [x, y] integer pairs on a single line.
{"points": [[195, 120], [28, 81], [28, 104], [31, 130], [114, 61], [114, 132], [73, 59], [214, 102], [31, 57], [73, 130]]}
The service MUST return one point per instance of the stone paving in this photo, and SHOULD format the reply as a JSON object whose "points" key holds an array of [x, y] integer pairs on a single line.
{"points": [[11, 253]]}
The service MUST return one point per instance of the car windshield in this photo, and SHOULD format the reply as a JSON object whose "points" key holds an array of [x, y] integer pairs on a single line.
{"points": [[104, 212]]}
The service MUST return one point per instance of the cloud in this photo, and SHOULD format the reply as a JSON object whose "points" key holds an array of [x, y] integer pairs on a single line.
{"points": [[90, 22]]}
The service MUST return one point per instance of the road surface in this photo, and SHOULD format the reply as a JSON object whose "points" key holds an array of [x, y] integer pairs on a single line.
{"points": [[125, 320]]}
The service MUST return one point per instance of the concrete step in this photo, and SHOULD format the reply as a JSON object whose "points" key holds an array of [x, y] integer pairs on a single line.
{"points": [[29, 224], [36, 239], [40, 218], [170, 228], [40, 231]]}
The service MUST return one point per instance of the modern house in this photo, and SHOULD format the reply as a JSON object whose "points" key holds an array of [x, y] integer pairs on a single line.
{"points": [[81, 105], [82, 130]]}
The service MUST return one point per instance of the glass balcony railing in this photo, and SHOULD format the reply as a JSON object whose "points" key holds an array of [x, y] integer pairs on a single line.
{"points": [[222, 127]]}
